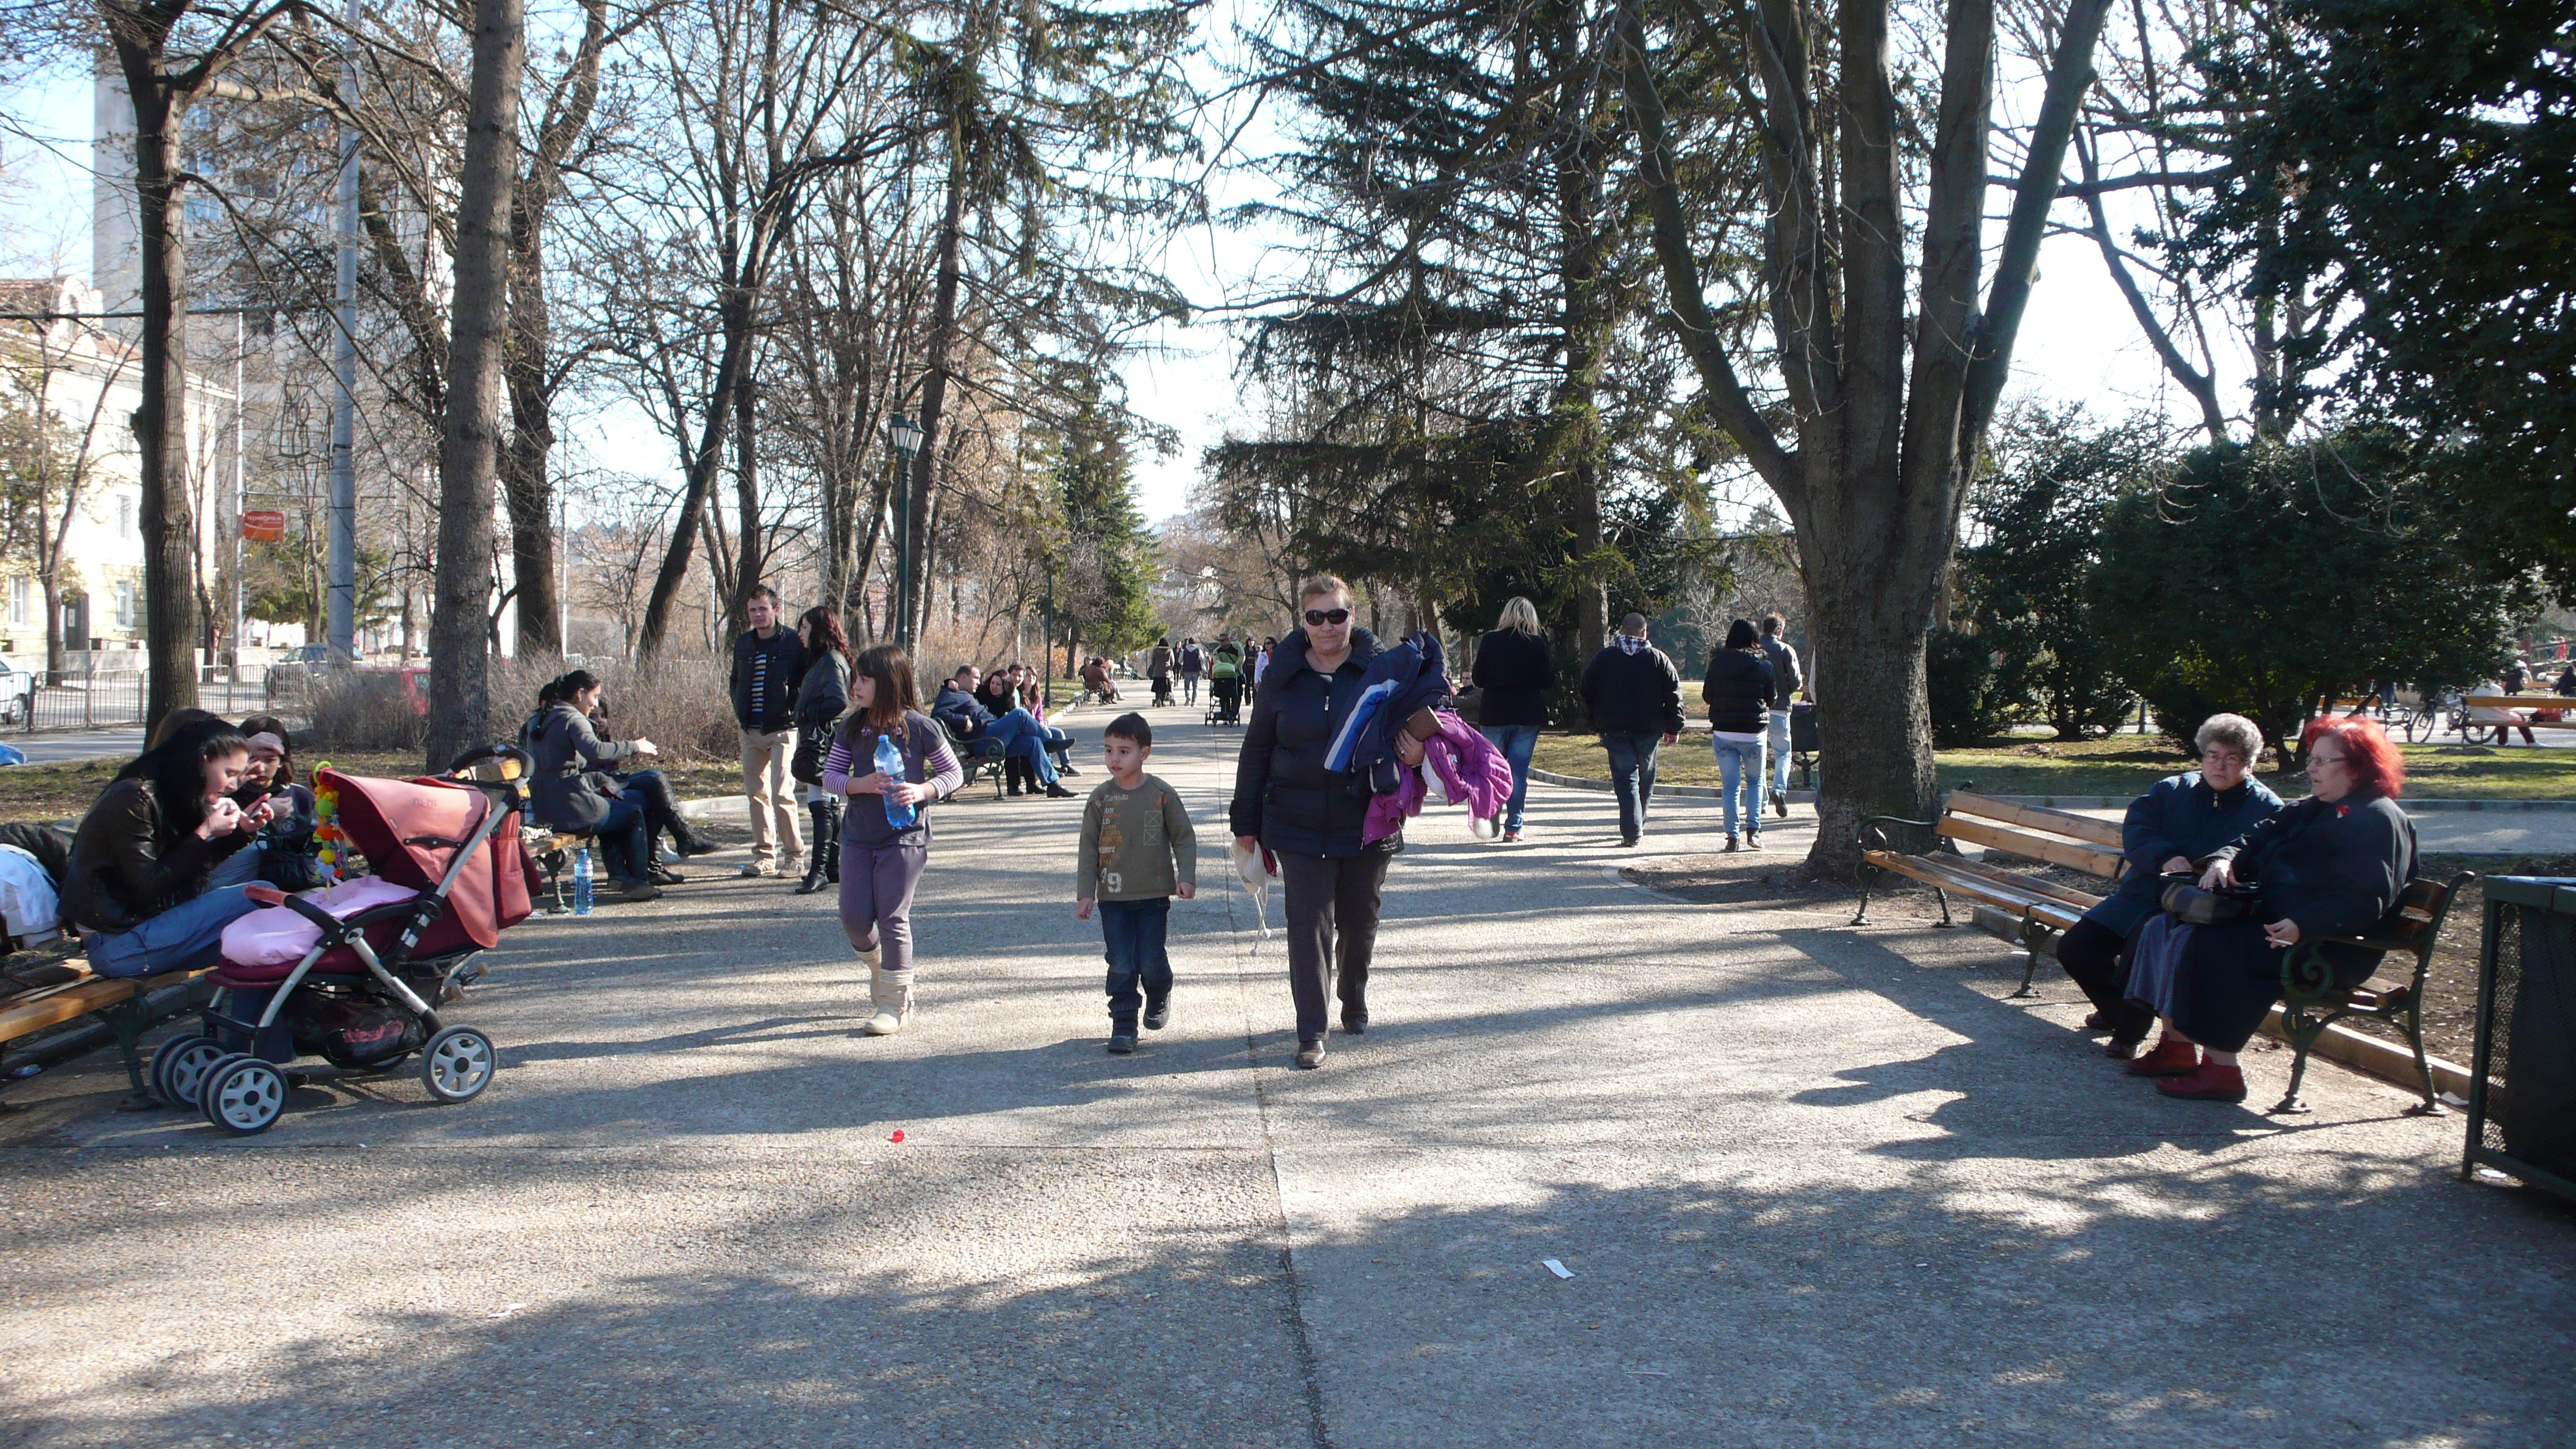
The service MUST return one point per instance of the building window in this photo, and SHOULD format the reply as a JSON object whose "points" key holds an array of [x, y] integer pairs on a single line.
{"points": [[124, 516], [125, 606], [22, 606]]}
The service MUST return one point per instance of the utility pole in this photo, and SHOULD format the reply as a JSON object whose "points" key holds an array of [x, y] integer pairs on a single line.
{"points": [[343, 620], [240, 492]]}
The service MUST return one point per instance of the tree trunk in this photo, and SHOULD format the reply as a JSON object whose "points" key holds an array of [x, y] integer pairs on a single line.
{"points": [[735, 315], [470, 433], [751, 548], [161, 423], [525, 486], [934, 387]]}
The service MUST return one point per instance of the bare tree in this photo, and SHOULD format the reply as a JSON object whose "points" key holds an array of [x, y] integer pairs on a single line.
{"points": [[1885, 407], [470, 432]]}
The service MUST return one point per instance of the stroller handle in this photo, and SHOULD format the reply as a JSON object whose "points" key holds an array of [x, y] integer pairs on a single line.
{"points": [[493, 764]]}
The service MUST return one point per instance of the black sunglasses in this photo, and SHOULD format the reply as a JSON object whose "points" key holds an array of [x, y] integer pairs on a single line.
{"points": [[1328, 616]]}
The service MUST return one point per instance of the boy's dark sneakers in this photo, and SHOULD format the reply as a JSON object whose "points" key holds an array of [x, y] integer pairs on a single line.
{"points": [[1158, 1012], [1122, 1042]]}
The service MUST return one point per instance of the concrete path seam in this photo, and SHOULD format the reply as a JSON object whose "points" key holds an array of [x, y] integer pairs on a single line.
{"points": [[1309, 1374]]}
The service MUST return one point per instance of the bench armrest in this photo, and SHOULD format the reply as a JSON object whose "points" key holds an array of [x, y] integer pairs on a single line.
{"points": [[1870, 834]]}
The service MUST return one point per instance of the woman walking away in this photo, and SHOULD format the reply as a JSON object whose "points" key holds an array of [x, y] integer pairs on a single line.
{"points": [[1515, 672], [1741, 692], [142, 859], [1311, 817], [885, 830], [822, 697], [568, 799]]}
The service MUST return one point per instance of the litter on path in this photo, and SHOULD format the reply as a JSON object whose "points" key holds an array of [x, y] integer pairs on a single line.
{"points": [[1559, 1269]]}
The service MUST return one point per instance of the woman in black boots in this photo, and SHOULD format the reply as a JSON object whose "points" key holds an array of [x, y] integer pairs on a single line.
{"points": [[822, 697]]}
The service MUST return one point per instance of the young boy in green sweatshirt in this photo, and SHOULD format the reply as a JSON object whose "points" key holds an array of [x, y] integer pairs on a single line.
{"points": [[1138, 851]]}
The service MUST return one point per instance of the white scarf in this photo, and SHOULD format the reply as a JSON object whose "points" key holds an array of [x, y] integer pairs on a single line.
{"points": [[1631, 643]]}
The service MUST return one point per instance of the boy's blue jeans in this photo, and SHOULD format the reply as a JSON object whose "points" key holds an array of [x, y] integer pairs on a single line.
{"points": [[1134, 934]]}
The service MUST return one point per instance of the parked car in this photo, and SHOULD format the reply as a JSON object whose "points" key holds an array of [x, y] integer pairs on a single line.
{"points": [[17, 694], [296, 669]]}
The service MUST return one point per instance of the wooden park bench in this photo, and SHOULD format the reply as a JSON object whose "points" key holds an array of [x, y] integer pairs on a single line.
{"points": [[129, 1006], [980, 759], [2310, 1003], [553, 851], [2044, 909], [2558, 704]]}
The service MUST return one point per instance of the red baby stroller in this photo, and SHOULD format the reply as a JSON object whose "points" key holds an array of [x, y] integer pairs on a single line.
{"points": [[364, 997]]}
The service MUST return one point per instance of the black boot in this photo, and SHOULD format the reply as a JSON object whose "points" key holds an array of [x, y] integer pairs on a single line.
{"points": [[831, 845], [815, 865], [1014, 770]]}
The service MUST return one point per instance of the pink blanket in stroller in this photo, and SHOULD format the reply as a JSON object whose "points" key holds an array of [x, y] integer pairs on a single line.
{"points": [[277, 936]]}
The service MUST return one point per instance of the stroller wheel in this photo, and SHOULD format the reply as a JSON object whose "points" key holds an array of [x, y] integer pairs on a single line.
{"points": [[457, 1064], [243, 1095], [179, 1067]]}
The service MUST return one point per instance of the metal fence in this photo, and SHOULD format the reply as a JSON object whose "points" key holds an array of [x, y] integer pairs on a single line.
{"points": [[108, 700]]}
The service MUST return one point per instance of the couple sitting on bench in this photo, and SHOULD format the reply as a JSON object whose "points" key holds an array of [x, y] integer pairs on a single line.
{"points": [[1015, 733], [2333, 865]]}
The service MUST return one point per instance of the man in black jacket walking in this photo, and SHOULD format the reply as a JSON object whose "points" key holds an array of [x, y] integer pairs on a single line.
{"points": [[768, 661], [1634, 696]]}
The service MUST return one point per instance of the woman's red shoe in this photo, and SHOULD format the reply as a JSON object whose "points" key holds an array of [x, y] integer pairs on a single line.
{"points": [[2211, 1083], [2172, 1058]]}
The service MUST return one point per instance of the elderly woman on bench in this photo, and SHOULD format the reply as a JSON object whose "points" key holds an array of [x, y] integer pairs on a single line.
{"points": [[2169, 829], [2330, 866]]}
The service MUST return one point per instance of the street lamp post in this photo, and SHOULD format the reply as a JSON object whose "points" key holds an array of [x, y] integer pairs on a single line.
{"points": [[906, 437]]}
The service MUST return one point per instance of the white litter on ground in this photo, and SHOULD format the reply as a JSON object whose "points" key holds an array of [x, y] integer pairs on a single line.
{"points": [[1559, 1269]]}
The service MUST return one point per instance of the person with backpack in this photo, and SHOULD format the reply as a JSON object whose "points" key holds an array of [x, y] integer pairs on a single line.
{"points": [[822, 697], [1193, 664]]}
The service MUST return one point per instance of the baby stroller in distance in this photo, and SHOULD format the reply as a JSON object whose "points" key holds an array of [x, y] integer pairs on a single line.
{"points": [[1224, 702], [364, 995]]}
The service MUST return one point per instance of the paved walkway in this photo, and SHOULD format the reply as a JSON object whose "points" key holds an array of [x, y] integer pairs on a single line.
{"points": [[1812, 1186]]}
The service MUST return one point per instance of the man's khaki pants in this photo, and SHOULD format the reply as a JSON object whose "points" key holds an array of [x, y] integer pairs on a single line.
{"points": [[774, 839]]}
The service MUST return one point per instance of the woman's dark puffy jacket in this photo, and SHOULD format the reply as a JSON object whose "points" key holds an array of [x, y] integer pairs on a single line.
{"points": [[567, 750], [1740, 692], [1515, 671], [2336, 869], [1282, 792]]}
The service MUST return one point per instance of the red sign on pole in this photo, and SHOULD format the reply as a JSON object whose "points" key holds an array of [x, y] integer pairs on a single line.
{"points": [[264, 525]]}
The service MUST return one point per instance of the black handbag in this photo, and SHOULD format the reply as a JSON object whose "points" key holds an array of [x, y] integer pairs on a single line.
{"points": [[2193, 906]]}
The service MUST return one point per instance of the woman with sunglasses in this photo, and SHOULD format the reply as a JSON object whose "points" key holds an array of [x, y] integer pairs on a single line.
{"points": [[2330, 865], [1310, 817]]}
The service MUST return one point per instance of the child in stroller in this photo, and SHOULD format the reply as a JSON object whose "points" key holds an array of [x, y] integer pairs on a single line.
{"points": [[1225, 683], [355, 974]]}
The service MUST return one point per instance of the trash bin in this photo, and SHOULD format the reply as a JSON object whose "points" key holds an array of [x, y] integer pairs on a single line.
{"points": [[2522, 1084]]}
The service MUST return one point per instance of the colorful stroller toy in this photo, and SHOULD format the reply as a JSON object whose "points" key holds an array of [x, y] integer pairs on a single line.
{"points": [[362, 992]]}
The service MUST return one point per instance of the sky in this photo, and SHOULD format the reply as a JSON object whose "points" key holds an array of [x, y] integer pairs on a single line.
{"points": [[2078, 342]]}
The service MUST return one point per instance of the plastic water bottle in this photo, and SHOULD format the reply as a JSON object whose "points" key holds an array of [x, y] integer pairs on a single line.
{"points": [[581, 881], [890, 765]]}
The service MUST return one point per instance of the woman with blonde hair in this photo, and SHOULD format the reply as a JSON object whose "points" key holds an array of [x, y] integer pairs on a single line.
{"points": [[1515, 671]]}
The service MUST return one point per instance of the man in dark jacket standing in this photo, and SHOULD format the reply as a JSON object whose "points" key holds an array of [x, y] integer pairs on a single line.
{"points": [[1634, 696], [767, 664]]}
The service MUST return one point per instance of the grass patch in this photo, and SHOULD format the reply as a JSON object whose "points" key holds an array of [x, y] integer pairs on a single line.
{"points": [[62, 792], [2119, 766]]}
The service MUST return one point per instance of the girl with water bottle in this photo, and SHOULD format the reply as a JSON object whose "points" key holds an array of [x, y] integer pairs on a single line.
{"points": [[885, 837]]}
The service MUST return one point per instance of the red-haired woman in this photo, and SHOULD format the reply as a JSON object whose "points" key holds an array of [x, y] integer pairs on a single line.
{"points": [[2330, 865]]}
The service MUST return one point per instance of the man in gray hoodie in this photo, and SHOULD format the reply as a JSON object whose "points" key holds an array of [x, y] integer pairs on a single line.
{"points": [[1788, 681]]}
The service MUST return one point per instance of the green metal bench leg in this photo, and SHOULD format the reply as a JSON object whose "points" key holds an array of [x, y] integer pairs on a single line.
{"points": [[2030, 957], [2302, 1038], [1868, 882], [127, 1021], [2414, 1025]]}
